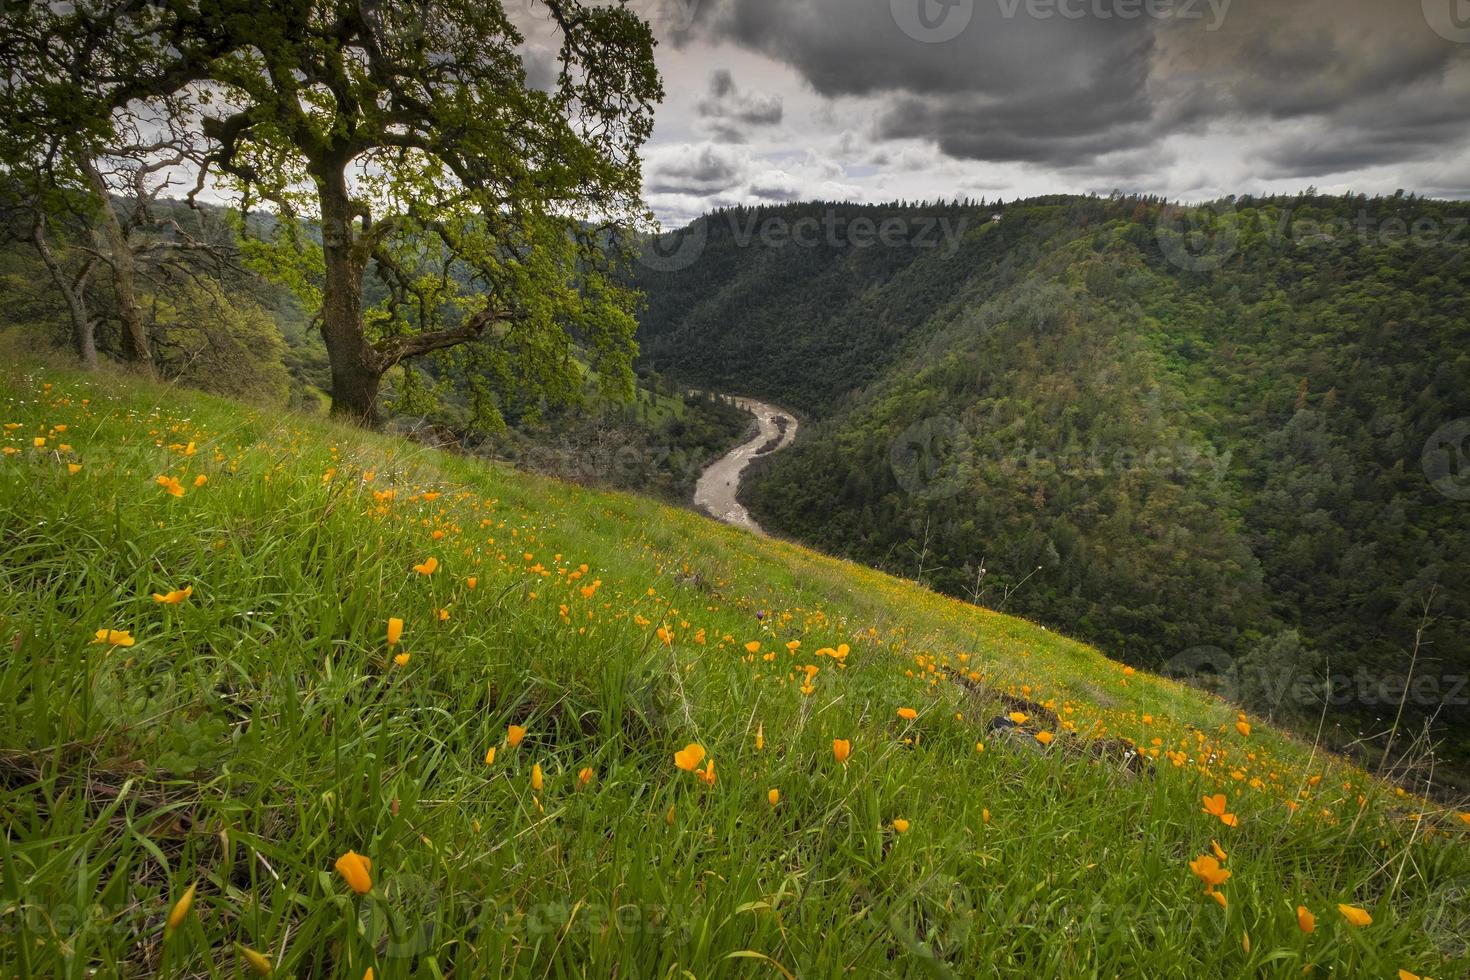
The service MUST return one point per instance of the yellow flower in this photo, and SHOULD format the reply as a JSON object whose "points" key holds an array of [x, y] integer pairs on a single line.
{"points": [[707, 774], [395, 630], [669, 817], [754, 646], [113, 638], [73, 468], [514, 734], [901, 825], [1406, 975], [1019, 717], [537, 779], [39, 442], [200, 480], [181, 908], [984, 816], [1244, 727], [841, 749], [402, 659], [472, 581], [584, 776], [1219, 898], [689, 757], [907, 714], [356, 870], [171, 486], [1208, 870], [760, 736], [490, 756], [979, 746], [1215, 807], [773, 796], [1305, 920], [1219, 851], [175, 597], [259, 963], [1355, 916], [428, 566], [1044, 737]]}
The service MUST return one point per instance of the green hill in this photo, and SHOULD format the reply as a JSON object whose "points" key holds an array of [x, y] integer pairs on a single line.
{"points": [[1217, 442], [236, 742]]}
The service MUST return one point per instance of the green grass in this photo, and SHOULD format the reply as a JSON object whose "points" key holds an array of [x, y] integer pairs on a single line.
{"points": [[261, 728]]}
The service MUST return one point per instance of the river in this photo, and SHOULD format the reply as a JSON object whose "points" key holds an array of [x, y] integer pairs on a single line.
{"points": [[718, 485]]}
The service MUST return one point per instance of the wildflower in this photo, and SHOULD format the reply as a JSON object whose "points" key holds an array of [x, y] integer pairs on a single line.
{"points": [[773, 796], [707, 774], [760, 736], [1244, 727], [984, 816], [257, 961], [402, 659], [537, 779], [181, 909], [356, 870], [669, 817], [73, 468], [1305, 920], [979, 746], [1044, 737], [901, 825], [490, 756], [472, 582], [754, 646], [666, 635], [200, 481], [1208, 870], [428, 566], [1017, 717], [1219, 898], [175, 597], [841, 749], [171, 486], [1355, 916], [514, 734], [1465, 816], [907, 714], [584, 777], [1215, 807], [39, 442], [1219, 851], [395, 630], [689, 757], [113, 638]]}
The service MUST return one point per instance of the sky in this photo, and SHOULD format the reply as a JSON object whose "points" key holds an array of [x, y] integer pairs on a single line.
{"points": [[879, 100]]}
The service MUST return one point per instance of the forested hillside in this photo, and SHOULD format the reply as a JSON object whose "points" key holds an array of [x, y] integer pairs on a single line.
{"points": [[1221, 442]]}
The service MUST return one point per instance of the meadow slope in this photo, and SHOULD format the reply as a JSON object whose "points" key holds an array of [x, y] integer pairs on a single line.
{"points": [[206, 693]]}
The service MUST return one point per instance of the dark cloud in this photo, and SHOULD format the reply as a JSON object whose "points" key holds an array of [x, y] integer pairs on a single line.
{"points": [[726, 105], [1363, 82], [693, 169]]}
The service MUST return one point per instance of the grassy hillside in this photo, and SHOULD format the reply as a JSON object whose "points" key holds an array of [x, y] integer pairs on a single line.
{"points": [[236, 743]]}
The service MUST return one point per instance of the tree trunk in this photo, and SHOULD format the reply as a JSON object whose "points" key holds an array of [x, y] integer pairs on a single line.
{"points": [[135, 335], [82, 336], [356, 368]]}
